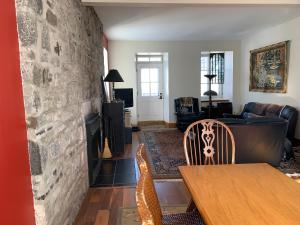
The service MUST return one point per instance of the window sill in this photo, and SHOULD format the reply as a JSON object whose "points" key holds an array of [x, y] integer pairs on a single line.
{"points": [[214, 100]]}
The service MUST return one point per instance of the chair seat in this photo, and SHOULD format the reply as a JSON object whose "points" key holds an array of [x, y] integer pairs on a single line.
{"points": [[188, 218]]}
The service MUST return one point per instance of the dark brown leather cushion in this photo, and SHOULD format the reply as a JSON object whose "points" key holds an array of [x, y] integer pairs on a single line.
{"points": [[256, 108], [251, 115], [273, 110]]}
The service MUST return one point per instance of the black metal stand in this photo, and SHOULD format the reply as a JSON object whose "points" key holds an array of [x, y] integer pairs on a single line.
{"points": [[210, 93]]}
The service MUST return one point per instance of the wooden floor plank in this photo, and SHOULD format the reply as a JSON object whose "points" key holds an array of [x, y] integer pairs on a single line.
{"points": [[102, 217], [104, 197], [116, 204], [112, 199], [129, 197]]}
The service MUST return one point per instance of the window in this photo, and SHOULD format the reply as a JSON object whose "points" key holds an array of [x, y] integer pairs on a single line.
{"points": [[149, 69], [105, 57], [150, 81], [149, 57], [212, 63]]}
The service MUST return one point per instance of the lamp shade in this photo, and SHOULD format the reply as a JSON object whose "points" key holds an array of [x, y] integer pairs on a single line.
{"points": [[210, 93], [113, 76], [210, 76]]}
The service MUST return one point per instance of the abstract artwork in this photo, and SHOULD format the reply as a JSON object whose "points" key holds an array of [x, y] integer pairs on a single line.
{"points": [[268, 68]]}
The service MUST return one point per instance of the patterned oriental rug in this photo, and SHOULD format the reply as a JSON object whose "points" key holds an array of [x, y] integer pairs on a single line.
{"points": [[165, 153]]}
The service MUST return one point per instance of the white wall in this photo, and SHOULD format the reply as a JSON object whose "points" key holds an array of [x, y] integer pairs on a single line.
{"points": [[184, 65], [166, 87], [287, 31], [228, 79]]}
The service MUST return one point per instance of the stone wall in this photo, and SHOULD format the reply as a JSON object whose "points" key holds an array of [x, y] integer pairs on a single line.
{"points": [[61, 64]]}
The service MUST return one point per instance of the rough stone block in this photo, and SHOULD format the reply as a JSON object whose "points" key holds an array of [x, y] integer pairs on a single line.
{"points": [[27, 28], [51, 18], [36, 102], [35, 5], [45, 37], [35, 159], [32, 122]]}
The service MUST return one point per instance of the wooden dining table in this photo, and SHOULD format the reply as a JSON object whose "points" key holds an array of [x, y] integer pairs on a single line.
{"points": [[243, 194]]}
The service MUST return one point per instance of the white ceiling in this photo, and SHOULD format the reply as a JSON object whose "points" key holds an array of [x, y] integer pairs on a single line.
{"points": [[174, 23]]}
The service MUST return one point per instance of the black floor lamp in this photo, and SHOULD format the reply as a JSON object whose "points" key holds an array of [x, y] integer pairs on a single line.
{"points": [[113, 76], [210, 92]]}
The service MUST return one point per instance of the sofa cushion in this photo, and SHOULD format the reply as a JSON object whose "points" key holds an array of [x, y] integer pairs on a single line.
{"points": [[186, 109], [232, 120], [256, 108], [250, 115], [273, 110], [264, 120]]}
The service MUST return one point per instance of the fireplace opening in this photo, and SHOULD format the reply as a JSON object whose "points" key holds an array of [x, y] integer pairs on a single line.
{"points": [[94, 145]]}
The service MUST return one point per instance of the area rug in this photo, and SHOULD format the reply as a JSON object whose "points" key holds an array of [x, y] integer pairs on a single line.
{"points": [[292, 167], [130, 216], [165, 151]]}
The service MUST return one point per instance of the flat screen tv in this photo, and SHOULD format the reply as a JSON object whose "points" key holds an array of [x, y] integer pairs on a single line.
{"points": [[126, 95]]}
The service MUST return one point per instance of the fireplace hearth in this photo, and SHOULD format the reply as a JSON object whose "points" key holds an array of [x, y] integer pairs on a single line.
{"points": [[94, 145]]}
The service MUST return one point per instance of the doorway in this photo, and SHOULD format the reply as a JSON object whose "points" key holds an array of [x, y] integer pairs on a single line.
{"points": [[150, 97]]}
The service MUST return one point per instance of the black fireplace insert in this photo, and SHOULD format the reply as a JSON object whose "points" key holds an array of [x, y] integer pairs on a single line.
{"points": [[94, 145]]}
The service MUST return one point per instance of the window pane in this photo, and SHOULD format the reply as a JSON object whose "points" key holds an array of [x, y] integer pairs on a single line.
{"points": [[204, 88], [204, 63], [145, 72], [155, 59], [203, 78], [154, 74], [145, 89], [215, 87], [143, 59], [154, 89]]}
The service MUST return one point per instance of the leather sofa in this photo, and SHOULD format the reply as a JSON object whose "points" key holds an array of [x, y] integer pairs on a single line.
{"points": [[187, 113], [256, 110], [258, 140]]}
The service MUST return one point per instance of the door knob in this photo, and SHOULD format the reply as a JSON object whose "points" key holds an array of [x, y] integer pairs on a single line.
{"points": [[160, 95]]}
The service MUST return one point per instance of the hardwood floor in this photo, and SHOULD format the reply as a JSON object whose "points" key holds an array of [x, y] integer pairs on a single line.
{"points": [[101, 205]]}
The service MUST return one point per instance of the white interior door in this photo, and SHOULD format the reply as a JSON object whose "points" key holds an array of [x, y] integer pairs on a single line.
{"points": [[150, 92]]}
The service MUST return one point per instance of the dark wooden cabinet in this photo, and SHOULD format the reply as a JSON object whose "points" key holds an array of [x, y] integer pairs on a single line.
{"points": [[113, 113]]}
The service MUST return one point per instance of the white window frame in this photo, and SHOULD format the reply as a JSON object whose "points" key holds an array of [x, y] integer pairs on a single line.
{"points": [[220, 88], [107, 84], [150, 56]]}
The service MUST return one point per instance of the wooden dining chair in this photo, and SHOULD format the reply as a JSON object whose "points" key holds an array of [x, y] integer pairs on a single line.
{"points": [[209, 142], [147, 201], [141, 156]]}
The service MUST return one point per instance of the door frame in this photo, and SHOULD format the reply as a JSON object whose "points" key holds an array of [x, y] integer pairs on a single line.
{"points": [[161, 83]]}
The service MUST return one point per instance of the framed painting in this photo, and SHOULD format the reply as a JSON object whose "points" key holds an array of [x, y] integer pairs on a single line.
{"points": [[268, 68]]}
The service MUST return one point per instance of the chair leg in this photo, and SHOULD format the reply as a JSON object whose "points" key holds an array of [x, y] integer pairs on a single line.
{"points": [[191, 207]]}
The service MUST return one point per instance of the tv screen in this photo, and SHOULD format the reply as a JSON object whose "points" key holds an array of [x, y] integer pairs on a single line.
{"points": [[126, 95]]}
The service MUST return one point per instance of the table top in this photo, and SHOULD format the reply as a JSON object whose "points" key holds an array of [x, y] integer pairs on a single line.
{"points": [[243, 194]]}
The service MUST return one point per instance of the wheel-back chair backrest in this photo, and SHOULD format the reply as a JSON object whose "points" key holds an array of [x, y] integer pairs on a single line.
{"points": [[142, 159], [146, 197], [209, 142]]}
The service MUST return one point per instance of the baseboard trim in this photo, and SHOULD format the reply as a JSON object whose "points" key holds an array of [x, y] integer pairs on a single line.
{"points": [[157, 122], [170, 125], [151, 123]]}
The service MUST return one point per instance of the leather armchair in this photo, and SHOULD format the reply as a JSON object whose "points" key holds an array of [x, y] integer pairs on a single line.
{"points": [[187, 114]]}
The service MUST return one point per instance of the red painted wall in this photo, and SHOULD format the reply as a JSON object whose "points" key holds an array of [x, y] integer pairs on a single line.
{"points": [[16, 200]]}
